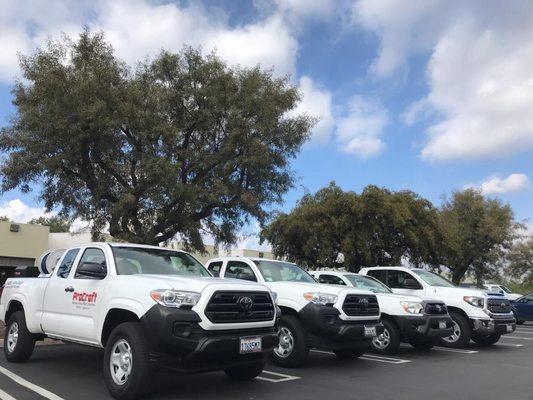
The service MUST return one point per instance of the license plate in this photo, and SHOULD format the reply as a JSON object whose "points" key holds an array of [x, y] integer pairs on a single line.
{"points": [[250, 345], [509, 328], [442, 324], [370, 331]]}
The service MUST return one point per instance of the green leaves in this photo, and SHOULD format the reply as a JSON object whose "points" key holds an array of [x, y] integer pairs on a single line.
{"points": [[182, 144]]}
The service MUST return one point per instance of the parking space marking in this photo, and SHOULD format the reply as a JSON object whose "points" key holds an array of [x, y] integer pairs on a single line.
{"points": [[517, 337], [6, 396], [23, 382], [371, 357], [525, 331], [462, 351], [509, 344], [281, 377]]}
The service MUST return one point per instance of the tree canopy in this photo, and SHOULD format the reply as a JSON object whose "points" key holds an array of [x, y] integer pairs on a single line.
{"points": [[182, 144], [520, 261], [476, 232], [56, 224], [376, 227]]}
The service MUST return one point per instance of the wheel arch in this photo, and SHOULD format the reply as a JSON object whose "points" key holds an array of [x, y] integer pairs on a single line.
{"points": [[13, 307], [115, 317]]}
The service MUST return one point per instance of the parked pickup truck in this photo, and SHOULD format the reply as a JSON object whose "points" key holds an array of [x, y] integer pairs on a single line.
{"points": [[148, 307], [477, 315], [343, 320], [419, 322]]}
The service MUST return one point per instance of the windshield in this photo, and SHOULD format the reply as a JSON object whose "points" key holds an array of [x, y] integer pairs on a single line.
{"points": [[139, 260], [433, 279], [366, 283], [506, 290], [275, 271]]}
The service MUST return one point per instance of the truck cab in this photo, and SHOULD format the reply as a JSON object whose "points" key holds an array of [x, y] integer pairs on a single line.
{"points": [[421, 322], [477, 315], [332, 318]]}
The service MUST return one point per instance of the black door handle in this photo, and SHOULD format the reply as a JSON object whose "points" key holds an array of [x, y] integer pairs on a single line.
{"points": [[69, 289]]}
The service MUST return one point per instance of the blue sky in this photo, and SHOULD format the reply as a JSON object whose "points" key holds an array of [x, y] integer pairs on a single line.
{"points": [[429, 96]]}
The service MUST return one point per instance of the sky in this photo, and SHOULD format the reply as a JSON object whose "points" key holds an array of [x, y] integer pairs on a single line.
{"points": [[431, 96]]}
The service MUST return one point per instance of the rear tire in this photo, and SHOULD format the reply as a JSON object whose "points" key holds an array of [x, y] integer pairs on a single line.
{"points": [[462, 332], [293, 349], [389, 341], [127, 372], [18, 341], [487, 340], [245, 372], [422, 344], [349, 354]]}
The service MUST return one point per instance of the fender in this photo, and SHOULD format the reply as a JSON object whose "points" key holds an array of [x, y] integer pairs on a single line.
{"points": [[290, 304], [131, 305]]}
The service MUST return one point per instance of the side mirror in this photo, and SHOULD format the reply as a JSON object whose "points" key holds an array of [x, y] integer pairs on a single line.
{"points": [[246, 276], [92, 270], [411, 283]]}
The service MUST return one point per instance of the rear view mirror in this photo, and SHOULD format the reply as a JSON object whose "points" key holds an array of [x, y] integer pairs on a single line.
{"points": [[92, 270]]}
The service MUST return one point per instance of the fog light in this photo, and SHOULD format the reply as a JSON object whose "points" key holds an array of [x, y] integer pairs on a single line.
{"points": [[183, 330]]}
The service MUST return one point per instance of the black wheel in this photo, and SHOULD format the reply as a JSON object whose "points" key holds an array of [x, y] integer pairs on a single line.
{"points": [[292, 350], [486, 340], [389, 341], [518, 322], [127, 372], [349, 354], [18, 340], [462, 332], [422, 344], [245, 372]]}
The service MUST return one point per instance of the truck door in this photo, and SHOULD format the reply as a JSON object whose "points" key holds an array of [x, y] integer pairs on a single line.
{"points": [[77, 299]]}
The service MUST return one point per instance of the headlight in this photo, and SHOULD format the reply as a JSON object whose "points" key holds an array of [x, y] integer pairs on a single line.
{"points": [[474, 301], [174, 298], [412, 307], [274, 297], [320, 298]]}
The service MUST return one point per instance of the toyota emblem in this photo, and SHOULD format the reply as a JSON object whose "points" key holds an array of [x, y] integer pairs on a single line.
{"points": [[246, 303], [503, 305], [364, 303]]}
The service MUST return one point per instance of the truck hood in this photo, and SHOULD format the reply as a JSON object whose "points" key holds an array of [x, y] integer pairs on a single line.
{"points": [[192, 283], [457, 292], [303, 287], [405, 297]]}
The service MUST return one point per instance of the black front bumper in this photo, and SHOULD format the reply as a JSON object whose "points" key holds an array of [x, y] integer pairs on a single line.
{"points": [[424, 326], [325, 330], [494, 325], [176, 341]]}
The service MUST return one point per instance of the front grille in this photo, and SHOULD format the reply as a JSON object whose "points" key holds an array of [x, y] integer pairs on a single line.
{"points": [[232, 307], [360, 305], [499, 305], [435, 309]]}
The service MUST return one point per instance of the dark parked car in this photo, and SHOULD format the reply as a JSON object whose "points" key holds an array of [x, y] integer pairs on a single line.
{"points": [[523, 308]]}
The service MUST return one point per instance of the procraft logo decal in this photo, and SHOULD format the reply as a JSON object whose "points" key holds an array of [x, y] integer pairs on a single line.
{"points": [[86, 298]]}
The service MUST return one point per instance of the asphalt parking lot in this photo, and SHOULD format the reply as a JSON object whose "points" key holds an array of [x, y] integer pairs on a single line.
{"points": [[504, 371]]}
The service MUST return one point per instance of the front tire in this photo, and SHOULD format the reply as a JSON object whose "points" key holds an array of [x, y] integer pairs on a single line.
{"points": [[245, 372], [18, 341], [349, 354], [292, 350], [127, 372], [422, 344], [389, 341], [462, 332], [486, 340]]}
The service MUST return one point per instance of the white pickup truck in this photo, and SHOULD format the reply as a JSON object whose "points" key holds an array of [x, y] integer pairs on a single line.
{"points": [[419, 322], [343, 320], [477, 315], [148, 307]]}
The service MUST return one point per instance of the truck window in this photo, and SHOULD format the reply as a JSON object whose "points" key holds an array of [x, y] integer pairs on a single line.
{"points": [[239, 270], [331, 279], [379, 274], [276, 271], [66, 265], [396, 279], [215, 267], [92, 255]]}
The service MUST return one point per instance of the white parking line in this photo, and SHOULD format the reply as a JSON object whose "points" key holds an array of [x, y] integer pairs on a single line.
{"points": [[5, 396], [462, 351], [21, 381], [371, 357], [525, 331], [509, 344], [284, 377], [516, 337]]}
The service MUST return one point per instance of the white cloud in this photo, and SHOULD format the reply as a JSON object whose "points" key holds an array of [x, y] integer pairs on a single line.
{"points": [[359, 131], [138, 28], [17, 211], [316, 102], [479, 71], [496, 185]]}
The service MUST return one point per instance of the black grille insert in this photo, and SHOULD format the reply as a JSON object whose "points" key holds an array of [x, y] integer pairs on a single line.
{"points": [[360, 305], [499, 305], [435, 309], [233, 307]]}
